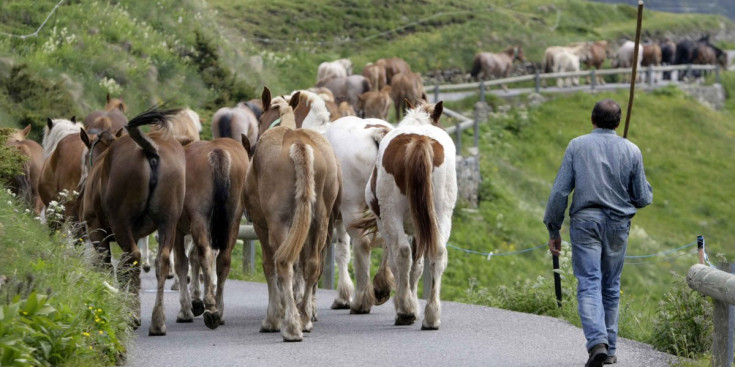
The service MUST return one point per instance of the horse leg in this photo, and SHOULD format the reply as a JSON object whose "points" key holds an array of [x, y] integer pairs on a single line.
{"points": [[383, 281], [166, 237], [344, 286], [312, 269], [182, 267], [417, 267], [364, 295], [400, 253], [291, 330], [272, 321], [437, 264], [100, 240], [200, 234], [195, 288], [145, 253], [224, 262], [128, 268]]}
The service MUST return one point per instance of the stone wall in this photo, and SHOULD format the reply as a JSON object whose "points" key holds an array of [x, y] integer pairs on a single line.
{"points": [[712, 96]]}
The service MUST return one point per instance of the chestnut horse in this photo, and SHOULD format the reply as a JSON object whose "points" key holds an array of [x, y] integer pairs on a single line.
{"points": [[393, 66], [355, 143], [135, 185], [375, 104], [63, 152], [213, 206], [292, 195], [496, 65], [375, 74], [406, 87], [25, 185], [412, 192], [112, 117]]}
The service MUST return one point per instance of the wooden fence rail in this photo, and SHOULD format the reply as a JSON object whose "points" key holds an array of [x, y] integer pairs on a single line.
{"points": [[719, 285]]}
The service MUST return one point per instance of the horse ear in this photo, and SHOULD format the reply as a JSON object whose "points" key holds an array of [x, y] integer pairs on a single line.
{"points": [[108, 97], [246, 144], [295, 99], [74, 119], [49, 123], [119, 133], [26, 130], [85, 138], [408, 104], [437, 113], [266, 98]]}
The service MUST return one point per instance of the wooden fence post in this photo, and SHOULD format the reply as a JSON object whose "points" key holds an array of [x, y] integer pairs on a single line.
{"points": [[537, 78], [436, 91], [593, 80], [724, 324], [482, 90], [328, 272], [720, 285], [248, 256]]}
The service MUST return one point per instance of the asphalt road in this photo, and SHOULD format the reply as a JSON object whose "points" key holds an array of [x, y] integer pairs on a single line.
{"points": [[469, 336]]}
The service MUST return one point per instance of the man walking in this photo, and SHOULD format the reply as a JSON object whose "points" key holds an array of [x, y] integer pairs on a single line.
{"points": [[606, 173]]}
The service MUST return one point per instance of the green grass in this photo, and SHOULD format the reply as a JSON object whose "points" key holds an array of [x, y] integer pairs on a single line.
{"points": [[57, 310]]}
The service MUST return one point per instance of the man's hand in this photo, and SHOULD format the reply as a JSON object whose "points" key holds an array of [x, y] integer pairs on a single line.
{"points": [[555, 246]]}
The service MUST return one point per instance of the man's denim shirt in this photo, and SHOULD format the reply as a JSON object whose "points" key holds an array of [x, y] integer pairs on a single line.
{"points": [[606, 173]]}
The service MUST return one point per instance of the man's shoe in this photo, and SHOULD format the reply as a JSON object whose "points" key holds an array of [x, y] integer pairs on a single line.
{"points": [[611, 360], [598, 356]]}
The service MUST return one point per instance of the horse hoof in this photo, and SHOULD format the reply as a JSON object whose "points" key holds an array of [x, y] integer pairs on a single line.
{"points": [[381, 297], [211, 319], [359, 311], [264, 329], [170, 276], [197, 307], [405, 319], [340, 305], [146, 268], [291, 340], [157, 332], [185, 319], [427, 327]]}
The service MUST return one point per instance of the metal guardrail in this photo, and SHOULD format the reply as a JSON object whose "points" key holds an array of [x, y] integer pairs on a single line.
{"points": [[720, 285]]}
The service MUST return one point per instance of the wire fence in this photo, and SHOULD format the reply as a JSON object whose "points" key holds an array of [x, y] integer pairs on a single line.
{"points": [[35, 34]]}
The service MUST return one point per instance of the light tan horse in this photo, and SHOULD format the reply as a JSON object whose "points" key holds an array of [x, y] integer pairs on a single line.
{"points": [[234, 122], [136, 185], [406, 87], [375, 104], [112, 117], [213, 206], [292, 196], [375, 74], [393, 66], [62, 168], [25, 185]]}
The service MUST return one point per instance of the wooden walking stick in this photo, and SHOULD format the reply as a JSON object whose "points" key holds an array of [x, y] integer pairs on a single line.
{"points": [[635, 67]]}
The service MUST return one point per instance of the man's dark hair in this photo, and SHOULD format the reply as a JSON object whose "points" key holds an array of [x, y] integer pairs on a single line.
{"points": [[606, 114]]}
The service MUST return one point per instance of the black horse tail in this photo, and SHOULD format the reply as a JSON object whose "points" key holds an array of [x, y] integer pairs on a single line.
{"points": [[219, 221], [476, 66], [256, 110], [225, 126]]}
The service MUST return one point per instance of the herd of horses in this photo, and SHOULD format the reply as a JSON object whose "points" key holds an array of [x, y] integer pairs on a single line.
{"points": [[593, 54], [288, 165]]}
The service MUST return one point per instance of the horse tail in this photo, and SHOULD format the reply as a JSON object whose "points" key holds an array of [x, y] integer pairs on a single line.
{"points": [[225, 126], [302, 156], [476, 66], [366, 86], [420, 193], [153, 116], [219, 221], [367, 224], [548, 62]]}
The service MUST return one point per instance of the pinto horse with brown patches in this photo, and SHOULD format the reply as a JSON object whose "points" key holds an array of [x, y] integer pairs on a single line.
{"points": [[292, 195], [412, 192], [135, 185], [25, 185], [213, 206]]}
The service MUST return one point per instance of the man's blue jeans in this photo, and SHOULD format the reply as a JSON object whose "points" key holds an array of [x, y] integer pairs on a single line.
{"points": [[598, 252]]}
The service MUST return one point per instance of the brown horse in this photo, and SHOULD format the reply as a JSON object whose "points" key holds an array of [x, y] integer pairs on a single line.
{"points": [[112, 117], [652, 57], [292, 196], [393, 66], [25, 185], [63, 151], [375, 74], [496, 65], [213, 206], [406, 87], [136, 185], [375, 104], [596, 55]]}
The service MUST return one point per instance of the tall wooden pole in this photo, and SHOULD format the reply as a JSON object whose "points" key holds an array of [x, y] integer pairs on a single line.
{"points": [[635, 67]]}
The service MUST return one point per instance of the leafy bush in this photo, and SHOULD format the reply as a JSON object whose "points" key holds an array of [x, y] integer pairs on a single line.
{"points": [[11, 162], [684, 323]]}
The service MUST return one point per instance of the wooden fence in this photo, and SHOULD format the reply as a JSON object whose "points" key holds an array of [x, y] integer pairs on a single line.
{"points": [[720, 285]]}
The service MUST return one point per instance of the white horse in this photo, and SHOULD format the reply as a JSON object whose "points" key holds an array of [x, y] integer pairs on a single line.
{"points": [[412, 191], [333, 69], [565, 61], [624, 57], [355, 143]]}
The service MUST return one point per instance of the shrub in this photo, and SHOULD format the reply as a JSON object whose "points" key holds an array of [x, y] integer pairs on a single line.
{"points": [[11, 162], [684, 323]]}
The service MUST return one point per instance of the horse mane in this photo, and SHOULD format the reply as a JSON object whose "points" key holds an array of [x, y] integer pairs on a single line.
{"points": [[416, 117], [318, 114], [60, 129], [285, 112]]}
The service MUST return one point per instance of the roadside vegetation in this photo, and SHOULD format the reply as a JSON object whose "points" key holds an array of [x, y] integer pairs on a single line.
{"points": [[212, 54]]}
